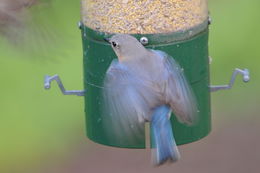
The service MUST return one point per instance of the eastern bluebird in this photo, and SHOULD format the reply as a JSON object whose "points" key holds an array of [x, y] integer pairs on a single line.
{"points": [[146, 85]]}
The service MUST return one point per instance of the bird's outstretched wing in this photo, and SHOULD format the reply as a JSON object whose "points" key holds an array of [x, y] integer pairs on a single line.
{"points": [[30, 27], [124, 103], [178, 91]]}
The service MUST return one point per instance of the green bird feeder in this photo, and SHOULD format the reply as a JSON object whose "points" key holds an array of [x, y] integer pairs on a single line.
{"points": [[177, 27]]}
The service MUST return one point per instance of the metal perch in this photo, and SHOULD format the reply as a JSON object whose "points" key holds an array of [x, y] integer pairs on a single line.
{"points": [[244, 73], [47, 85]]}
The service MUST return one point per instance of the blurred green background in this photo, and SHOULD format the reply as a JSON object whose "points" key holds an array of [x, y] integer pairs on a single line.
{"points": [[44, 131]]}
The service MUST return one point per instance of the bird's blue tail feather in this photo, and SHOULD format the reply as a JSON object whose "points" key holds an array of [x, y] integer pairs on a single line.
{"points": [[165, 146]]}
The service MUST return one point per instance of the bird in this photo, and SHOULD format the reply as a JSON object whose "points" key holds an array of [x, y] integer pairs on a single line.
{"points": [[17, 18], [29, 27], [146, 85], [14, 14]]}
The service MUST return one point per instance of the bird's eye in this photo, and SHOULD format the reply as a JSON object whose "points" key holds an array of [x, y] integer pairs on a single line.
{"points": [[114, 44]]}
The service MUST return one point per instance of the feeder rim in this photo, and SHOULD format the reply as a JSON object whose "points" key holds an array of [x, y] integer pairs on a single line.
{"points": [[154, 39]]}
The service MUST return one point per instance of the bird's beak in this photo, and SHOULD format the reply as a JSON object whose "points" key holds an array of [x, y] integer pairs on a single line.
{"points": [[107, 40]]}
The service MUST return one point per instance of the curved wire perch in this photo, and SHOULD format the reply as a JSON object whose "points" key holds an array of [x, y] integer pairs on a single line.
{"points": [[47, 85], [244, 73]]}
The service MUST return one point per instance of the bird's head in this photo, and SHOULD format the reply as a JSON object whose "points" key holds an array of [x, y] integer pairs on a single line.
{"points": [[126, 47]]}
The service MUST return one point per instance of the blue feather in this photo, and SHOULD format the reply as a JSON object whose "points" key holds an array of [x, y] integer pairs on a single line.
{"points": [[165, 145]]}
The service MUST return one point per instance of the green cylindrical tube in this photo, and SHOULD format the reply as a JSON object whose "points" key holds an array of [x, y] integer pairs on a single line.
{"points": [[189, 48]]}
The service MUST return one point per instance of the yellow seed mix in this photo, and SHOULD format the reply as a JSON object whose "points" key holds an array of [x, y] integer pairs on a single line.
{"points": [[143, 16]]}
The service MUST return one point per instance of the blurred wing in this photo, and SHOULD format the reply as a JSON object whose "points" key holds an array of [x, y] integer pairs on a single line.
{"points": [[30, 26], [124, 104], [178, 92]]}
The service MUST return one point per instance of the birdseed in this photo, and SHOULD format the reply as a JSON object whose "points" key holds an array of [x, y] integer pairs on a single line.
{"points": [[143, 16]]}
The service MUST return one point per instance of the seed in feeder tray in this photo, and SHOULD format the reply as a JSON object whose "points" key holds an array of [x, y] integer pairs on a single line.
{"points": [[143, 16]]}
